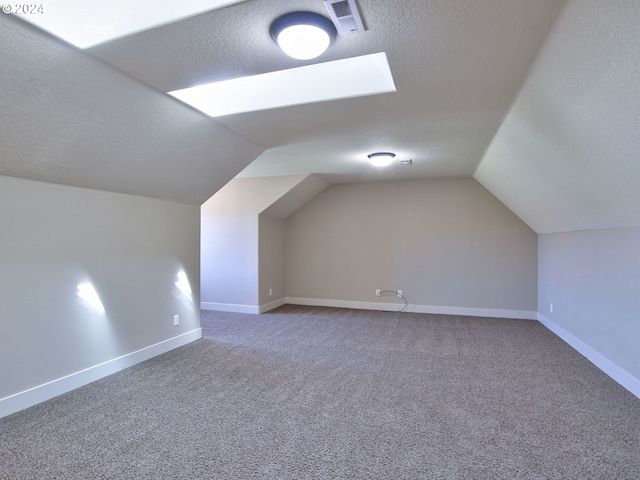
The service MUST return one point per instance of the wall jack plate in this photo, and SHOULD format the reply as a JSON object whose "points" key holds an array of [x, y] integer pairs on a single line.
{"points": [[176, 320]]}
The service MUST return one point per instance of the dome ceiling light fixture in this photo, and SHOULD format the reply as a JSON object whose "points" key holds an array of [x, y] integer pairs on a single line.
{"points": [[303, 35], [381, 159]]}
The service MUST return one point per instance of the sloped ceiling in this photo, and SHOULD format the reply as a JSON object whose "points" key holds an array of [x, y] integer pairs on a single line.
{"points": [[276, 196], [69, 118], [546, 121], [308, 187], [567, 156], [457, 66]]}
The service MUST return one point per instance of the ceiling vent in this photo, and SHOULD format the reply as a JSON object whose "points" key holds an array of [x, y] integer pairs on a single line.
{"points": [[345, 16]]}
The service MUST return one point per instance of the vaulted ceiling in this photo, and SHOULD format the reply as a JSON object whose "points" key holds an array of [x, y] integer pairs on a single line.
{"points": [[536, 99]]}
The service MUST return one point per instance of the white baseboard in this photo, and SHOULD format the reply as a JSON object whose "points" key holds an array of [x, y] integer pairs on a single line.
{"points": [[391, 307], [41, 393], [478, 312], [229, 307], [237, 308], [618, 374], [271, 305]]}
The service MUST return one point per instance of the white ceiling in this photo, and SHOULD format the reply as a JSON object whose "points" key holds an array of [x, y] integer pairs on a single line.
{"points": [[490, 88]]}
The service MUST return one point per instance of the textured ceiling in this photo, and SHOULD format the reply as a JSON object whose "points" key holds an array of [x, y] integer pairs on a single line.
{"points": [[457, 66], [69, 118], [536, 99]]}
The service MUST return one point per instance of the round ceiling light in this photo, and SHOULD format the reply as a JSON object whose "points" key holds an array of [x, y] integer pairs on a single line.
{"points": [[381, 159], [303, 35]]}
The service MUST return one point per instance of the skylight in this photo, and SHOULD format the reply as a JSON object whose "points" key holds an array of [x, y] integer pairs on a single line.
{"points": [[86, 23], [346, 78]]}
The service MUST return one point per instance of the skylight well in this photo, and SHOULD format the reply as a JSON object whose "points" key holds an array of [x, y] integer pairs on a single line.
{"points": [[349, 77], [86, 23]]}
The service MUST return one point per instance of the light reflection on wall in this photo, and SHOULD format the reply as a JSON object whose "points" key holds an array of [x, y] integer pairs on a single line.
{"points": [[87, 293], [183, 285]]}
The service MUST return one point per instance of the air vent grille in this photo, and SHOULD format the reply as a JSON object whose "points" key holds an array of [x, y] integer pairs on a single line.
{"points": [[341, 9], [345, 16]]}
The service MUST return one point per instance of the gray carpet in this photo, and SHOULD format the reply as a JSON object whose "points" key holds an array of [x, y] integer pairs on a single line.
{"points": [[320, 393]]}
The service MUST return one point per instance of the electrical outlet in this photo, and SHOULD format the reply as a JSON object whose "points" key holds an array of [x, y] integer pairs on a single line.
{"points": [[270, 292], [377, 292], [176, 320], [400, 293], [551, 307]]}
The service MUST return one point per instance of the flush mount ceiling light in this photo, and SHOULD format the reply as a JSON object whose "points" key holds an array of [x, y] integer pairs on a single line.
{"points": [[381, 159], [303, 35]]}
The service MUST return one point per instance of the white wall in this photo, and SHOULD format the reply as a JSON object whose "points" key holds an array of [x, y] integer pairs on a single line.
{"points": [[447, 243], [592, 278], [130, 248], [229, 260]]}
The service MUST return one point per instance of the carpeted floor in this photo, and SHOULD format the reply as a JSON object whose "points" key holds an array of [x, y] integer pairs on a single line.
{"points": [[321, 393]]}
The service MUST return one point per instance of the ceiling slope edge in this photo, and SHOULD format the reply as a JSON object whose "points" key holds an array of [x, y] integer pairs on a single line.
{"points": [[297, 196], [277, 196]]}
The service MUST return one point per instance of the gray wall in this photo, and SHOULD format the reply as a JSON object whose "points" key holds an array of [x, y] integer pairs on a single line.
{"points": [[271, 258], [592, 278], [444, 242], [130, 248]]}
